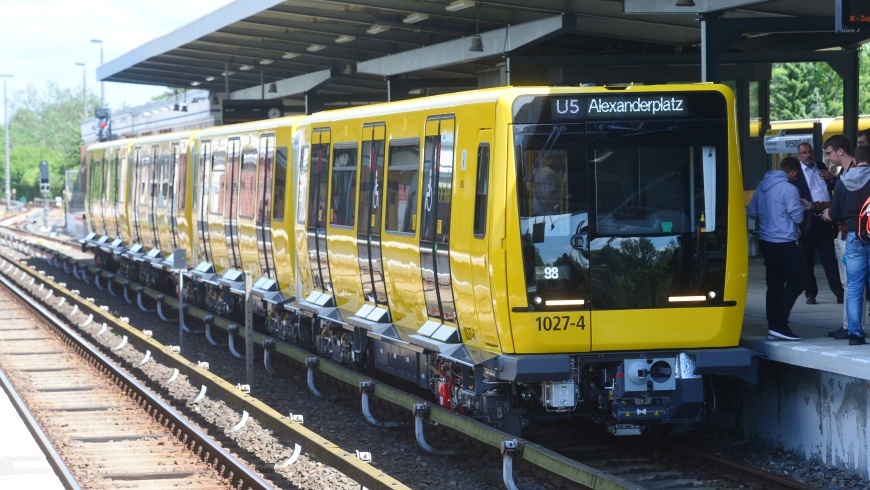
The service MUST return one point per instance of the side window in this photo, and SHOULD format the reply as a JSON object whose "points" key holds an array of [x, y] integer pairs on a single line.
{"points": [[181, 184], [402, 173], [481, 191], [248, 185], [343, 205], [317, 189], [216, 186], [280, 191], [264, 177], [303, 185]]}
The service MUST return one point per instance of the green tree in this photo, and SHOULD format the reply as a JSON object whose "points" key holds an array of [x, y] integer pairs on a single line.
{"points": [[814, 90], [44, 126]]}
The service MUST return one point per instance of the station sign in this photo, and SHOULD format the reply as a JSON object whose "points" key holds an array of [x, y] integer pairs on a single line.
{"points": [[851, 16], [786, 140], [239, 111]]}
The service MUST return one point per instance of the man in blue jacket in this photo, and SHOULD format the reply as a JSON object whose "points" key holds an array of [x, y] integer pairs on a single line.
{"points": [[779, 209]]}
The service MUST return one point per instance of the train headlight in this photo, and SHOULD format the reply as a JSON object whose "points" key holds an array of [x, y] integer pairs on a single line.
{"points": [[538, 300]]}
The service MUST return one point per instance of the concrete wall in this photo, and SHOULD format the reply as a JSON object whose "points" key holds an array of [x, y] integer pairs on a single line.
{"points": [[821, 415]]}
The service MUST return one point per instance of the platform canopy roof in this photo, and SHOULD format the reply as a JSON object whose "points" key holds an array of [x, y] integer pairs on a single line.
{"points": [[348, 49]]}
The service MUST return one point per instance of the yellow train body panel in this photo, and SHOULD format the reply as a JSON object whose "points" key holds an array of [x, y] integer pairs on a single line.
{"points": [[242, 175]]}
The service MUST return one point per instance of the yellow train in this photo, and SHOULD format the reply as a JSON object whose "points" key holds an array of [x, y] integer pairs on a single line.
{"points": [[526, 254]]}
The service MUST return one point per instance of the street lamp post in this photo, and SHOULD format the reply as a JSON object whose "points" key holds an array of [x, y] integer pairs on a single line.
{"points": [[102, 84], [84, 89], [6, 130]]}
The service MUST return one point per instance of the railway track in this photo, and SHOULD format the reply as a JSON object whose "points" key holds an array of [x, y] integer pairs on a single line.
{"points": [[555, 462], [107, 429]]}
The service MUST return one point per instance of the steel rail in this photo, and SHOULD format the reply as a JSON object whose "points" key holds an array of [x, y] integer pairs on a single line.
{"points": [[220, 459], [331, 454]]}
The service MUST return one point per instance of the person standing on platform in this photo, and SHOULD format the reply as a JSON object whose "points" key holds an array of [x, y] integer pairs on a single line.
{"points": [[779, 210], [816, 234], [851, 193], [838, 151]]}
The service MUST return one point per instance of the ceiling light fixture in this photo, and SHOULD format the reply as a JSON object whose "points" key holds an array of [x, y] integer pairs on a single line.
{"points": [[315, 47], [684, 3], [209, 79], [246, 67], [227, 73], [273, 89], [344, 39], [377, 29], [476, 44], [414, 18], [289, 56], [265, 62], [195, 83], [460, 5]]}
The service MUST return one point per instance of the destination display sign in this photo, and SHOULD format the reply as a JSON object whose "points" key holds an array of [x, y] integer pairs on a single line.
{"points": [[615, 107]]}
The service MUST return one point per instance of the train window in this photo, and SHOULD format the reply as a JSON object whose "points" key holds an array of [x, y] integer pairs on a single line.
{"points": [[162, 181], [343, 205], [402, 173], [481, 191], [317, 189], [653, 190], [264, 177], [248, 185], [302, 185], [280, 189], [216, 187], [181, 183], [122, 179], [144, 173], [437, 187]]}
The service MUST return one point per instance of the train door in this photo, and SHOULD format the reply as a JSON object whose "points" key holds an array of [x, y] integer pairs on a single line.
{"points": [[435, 218], [479, 250], [554, 207], [202, 195], [318, 186], [231, 204], [371, 215], [264, 201]]}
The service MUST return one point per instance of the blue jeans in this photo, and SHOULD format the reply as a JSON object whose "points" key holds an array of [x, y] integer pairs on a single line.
{"points": [[857, 269]]}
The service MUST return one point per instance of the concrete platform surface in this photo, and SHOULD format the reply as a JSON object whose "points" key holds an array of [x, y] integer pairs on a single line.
{"points": [[815, 350]]}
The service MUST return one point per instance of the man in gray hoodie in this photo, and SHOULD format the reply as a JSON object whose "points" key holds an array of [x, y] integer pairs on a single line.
{"points": [[778, 207], [851, 193]]}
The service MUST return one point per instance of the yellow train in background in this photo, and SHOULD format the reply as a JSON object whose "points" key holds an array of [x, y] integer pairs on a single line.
{"points": [[525, 254]]}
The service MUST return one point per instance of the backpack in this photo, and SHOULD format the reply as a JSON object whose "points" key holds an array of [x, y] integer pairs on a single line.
{"points": [[863, 232]]}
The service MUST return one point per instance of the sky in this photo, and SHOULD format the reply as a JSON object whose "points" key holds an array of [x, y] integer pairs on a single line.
{"points": [[42, 40]]}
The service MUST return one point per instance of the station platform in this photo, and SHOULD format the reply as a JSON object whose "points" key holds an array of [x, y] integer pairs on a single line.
{"points": [[22, 462], [815, 350]]}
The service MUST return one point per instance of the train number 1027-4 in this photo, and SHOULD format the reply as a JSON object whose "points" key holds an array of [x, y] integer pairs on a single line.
{"points": [[557, 323]]}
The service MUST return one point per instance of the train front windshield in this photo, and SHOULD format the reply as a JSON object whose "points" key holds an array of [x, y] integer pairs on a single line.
{"points": [[622, 205]]}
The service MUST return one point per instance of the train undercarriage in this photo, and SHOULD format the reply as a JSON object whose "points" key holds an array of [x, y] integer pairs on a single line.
{"points": [[625, 392]]}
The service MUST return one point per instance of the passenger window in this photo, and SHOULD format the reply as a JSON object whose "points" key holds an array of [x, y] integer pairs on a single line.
{"points": [[248, 185], [481, 191], [280, 184], [343, 205], [216, 192], [403, 167]]}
